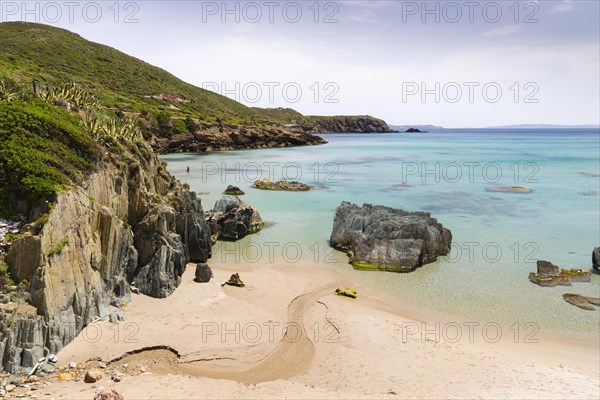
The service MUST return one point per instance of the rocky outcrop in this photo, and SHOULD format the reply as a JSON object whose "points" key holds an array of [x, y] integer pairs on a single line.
{"points": [[346, 124], [214, 136], [549, 275], [234, 191], [232, 219], [131, 222], [384, 238], [596, 260], [291, 186]]}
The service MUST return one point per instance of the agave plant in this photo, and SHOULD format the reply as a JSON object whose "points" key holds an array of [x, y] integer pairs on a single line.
{"points": [[6, 93], [68, 95]]}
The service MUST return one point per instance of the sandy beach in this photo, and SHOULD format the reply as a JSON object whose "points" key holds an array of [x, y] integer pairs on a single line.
{"points": [[286, 335]]}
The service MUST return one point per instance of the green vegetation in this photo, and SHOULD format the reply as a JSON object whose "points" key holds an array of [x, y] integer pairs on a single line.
{"points": [[50, 55], [282, 115], [373, 267], [58, 247], [5, 279], [11, 237], [43, 149]]}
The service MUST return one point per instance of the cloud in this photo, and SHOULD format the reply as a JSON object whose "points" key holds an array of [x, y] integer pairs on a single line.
{"points": [[564, 6], [502, 31], [373, 4], [366, 16]]}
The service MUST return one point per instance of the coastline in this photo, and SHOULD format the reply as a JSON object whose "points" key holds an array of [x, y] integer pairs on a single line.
{"points": [[238, 363]]}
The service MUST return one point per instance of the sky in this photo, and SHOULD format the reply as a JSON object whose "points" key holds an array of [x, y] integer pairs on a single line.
{"points": [[446, 63]]}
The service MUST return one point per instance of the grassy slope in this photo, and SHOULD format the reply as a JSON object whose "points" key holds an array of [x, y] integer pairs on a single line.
{"points": [[43, 150], [33, 51]]}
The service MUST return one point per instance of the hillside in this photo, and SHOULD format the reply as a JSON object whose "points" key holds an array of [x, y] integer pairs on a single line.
{"points": [[176, 116], [48, 54]]}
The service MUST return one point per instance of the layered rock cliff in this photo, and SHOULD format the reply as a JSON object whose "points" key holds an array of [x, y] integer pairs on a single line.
{"points": [[130, 221]]}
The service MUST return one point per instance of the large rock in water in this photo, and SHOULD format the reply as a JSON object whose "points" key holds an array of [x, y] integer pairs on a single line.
{"points": [[596, 260], [378, 237], [232, 219]]}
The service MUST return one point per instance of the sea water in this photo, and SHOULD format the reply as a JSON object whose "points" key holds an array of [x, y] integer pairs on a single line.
{"points": [[457, 176]]}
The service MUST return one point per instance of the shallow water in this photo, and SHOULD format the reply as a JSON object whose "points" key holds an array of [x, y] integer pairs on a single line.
{"points": [[497, 236]]}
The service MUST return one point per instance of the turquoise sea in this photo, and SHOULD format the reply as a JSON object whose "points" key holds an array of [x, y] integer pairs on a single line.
{"points": [[497, 236]]}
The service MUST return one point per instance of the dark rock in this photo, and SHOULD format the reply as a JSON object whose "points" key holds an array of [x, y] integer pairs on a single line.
{"points": [[233, 191], [232, 219], [203, 273], [414, 130], [546, 268], [383, 238], [234, 280], [292, 186], [586, 303], [596, 260]]}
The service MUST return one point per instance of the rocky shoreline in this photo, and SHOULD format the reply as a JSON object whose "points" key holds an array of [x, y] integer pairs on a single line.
{"points": [[226, 136], [128, 224]]}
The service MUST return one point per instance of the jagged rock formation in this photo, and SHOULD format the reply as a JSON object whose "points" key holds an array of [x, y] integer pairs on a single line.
{"points": [[213, 136], [129, 222], [343, 124], [232, 219], [378, 237]]}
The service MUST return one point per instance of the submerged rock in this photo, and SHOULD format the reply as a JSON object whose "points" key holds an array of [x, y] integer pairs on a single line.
{"points": [[508, 189], [292, 186], [584, 302], [232, 219], [384, 238], [549, 275], [203, 273]]}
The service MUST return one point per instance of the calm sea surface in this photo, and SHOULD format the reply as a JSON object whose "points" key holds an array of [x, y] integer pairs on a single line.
{"points": [[497, 236]]}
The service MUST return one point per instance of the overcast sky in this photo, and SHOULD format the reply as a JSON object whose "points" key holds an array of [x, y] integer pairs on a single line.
{"points": [[455, 64]]}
